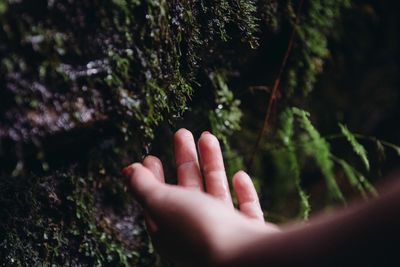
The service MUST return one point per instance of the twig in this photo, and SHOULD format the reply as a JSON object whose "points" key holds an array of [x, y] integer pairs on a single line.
{"points": [[275, 90]]}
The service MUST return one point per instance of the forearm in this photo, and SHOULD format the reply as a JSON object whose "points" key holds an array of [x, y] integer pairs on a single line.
{"points": [[366, 234]]}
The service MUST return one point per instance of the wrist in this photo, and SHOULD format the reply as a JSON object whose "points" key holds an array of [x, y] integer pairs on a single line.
{"points": [[235, 249]]}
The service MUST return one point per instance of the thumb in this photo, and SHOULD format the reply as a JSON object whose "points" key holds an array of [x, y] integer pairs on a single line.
{"points": [[142, 181]]}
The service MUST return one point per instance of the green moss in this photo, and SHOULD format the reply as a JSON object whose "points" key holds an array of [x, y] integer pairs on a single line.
{"points": [[313, 28], [95, 79], [61, 223], [86, 86]]}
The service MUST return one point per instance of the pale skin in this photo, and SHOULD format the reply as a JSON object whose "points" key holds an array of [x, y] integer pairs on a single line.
{"points": [[196, 223]]}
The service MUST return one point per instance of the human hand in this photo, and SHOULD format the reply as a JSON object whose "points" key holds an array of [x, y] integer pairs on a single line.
{"points": [[195, 222]]}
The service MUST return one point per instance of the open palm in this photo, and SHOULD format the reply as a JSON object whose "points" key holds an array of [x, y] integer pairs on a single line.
{"points": [[195, 222]]}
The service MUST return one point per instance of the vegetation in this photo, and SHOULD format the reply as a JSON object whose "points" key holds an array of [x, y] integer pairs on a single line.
{"points": [[87, 87]]}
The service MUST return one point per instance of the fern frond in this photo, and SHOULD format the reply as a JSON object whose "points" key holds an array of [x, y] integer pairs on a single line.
{"points": [[357, 147], [225, 119], [305, 207], [292, 169], [356, 179], [389, 145], [319, 149]]}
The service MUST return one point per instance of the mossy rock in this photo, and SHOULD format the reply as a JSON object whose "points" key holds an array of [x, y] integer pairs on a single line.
{"points": [[83, 85]]}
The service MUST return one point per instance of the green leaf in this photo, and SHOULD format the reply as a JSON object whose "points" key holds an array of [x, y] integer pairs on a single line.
{"points": [[357, 147]]}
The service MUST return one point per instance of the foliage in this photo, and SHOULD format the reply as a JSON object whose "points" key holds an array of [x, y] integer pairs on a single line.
{"points": [[357, 147], [319, 149], [225, 120], [287, 161], [295, 142], [86, 86], [356, 179], [312, 28], [62, 224], [83, 83]]}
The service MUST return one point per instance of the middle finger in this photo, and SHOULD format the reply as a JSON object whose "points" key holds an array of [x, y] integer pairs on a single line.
{"points": [[187, 164], [213, 168]]}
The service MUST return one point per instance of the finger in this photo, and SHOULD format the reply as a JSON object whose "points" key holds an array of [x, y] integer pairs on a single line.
{"points": [[143, 183], [186, 160], [151, 226], [155, 167], [154, 164], [213, 168], [247, 196]]}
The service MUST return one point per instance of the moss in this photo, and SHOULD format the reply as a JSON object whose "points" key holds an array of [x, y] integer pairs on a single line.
{"points": [[313, 27], [85, 85], [60, 219], [87, 89]]}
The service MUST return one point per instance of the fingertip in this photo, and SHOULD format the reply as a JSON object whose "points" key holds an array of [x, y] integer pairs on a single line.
{"points": [[142, 181], [207, 140], [128, 170], [241, 173], [205, 133], [241, 179], [247, 196], [154, 164], [210, 153], [151, 160], [184, 146], [133, 169], [182, 138], [244, 187], [183, 133], [212, 164]]}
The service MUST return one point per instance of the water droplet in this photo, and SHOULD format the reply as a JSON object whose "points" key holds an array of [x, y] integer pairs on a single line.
{"points": [[129, 52]]}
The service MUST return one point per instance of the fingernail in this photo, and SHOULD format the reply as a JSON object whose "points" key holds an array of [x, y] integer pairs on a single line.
{"points": [[243, 177], [242, 172], [206, 132], [128, 170]]}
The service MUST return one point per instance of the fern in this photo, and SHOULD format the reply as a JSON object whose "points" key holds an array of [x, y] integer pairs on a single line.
{"points": [[305, 207], [225, 119], [357, 147], [356, 179], [292, 168], [319, 149], [382, 144]]}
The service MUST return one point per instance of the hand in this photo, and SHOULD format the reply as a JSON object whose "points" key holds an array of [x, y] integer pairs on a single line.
{"points": [[195, 222]]}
